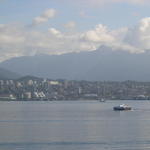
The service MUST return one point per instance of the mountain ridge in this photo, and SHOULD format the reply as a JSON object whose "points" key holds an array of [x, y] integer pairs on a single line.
{"points": [[101, 64], [7, 74]]}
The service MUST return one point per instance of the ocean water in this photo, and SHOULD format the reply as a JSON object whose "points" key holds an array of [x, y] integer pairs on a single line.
{"points": [[74, 125]]}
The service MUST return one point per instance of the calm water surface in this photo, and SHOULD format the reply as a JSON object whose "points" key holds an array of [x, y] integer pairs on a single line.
{"points": [[74, 125]]}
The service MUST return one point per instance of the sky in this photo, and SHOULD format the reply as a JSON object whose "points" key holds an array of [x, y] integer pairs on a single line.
{"points": [[31, 27]]}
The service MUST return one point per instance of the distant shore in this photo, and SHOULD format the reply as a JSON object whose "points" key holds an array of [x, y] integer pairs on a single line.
{"points": [[4, 99]]}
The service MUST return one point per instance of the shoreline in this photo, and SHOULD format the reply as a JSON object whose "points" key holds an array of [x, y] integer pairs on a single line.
{"points": [[35, 100]]}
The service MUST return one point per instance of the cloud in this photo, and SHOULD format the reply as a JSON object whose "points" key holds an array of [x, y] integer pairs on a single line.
{"points": [[55, 32], [70, 25], [99, 34], [133, 1], [17, 40], [84, 14], [49, 13], [139, 36], [98, 3]]}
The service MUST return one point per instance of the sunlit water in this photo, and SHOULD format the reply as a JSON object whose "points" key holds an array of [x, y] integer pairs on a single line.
{"points": [[74, 125]]}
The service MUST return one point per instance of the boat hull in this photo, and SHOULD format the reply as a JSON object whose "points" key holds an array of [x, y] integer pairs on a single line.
{"points": [[117, 108]]}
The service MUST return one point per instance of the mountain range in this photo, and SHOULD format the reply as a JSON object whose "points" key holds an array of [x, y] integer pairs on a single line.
{"points": [[6, 74], [99, 65]]}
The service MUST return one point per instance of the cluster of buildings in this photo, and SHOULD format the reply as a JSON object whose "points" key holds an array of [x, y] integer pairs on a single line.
{"points": [[32, 88]]}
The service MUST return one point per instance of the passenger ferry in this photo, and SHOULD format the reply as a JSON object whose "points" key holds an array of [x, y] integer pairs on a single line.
{"points": [[122, 107]]}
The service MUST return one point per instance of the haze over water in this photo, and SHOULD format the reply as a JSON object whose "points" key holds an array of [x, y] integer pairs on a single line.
{"points": [[72, 125]]}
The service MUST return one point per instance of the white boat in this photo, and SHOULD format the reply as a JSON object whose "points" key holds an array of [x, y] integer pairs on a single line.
{"points": [[122, 107], [102, 100]]}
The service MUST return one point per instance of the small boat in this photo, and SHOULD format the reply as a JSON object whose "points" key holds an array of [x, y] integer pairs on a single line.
{"points": [[122, 107], [102, 100]]}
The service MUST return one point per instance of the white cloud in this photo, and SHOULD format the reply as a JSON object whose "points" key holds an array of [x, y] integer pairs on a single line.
{"points": [[99, 34], [49, 13], [17, 40], [111, 38], [139, 36], [55, 32]]}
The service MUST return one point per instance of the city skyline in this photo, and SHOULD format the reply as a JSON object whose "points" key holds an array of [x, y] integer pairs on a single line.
{"points": [[32, 88]]}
